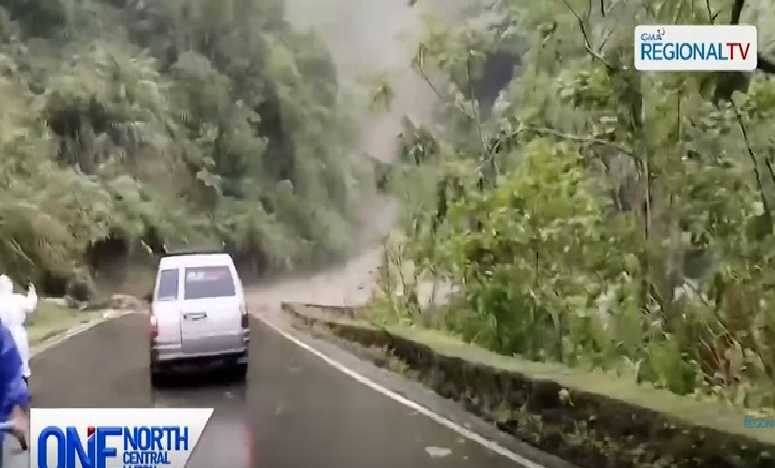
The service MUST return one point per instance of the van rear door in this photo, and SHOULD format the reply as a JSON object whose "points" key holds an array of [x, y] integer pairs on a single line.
{"points": [[212, 318], [166, 308]]}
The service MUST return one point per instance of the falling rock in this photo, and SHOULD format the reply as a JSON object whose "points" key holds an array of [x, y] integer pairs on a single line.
{"points": [[438, 452]]}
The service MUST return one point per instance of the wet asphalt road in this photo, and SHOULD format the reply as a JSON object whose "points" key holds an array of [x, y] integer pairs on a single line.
{"points": [[294, 411]]}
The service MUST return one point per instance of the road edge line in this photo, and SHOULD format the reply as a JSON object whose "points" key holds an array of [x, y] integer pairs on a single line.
{"points": [[60, 338], [444, 421]]}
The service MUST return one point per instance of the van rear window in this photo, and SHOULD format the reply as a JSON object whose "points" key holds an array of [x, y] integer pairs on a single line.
{"points": [[207, 282], [168, 285]]}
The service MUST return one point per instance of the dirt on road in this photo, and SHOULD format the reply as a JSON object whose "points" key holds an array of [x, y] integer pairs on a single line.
{"points": [[351, 283], [348, 284]]}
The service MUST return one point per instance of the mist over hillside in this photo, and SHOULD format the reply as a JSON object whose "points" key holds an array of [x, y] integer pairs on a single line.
{"points": [[368, 38]]}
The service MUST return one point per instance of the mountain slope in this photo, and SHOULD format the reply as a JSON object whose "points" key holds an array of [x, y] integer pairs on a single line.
{"points": [[131, 125]]}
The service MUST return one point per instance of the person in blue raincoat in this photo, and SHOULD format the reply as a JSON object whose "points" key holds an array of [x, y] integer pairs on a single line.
{"points": [[14, 394]]}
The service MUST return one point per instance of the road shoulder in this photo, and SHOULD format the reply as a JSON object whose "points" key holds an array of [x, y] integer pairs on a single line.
{"points": [[56, 324]]}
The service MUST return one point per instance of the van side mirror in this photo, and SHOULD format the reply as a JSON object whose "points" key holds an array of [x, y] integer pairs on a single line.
{"points": [[148, 297]]}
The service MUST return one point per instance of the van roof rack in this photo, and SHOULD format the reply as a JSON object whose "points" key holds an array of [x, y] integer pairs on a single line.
{"points": [[181, 252]]}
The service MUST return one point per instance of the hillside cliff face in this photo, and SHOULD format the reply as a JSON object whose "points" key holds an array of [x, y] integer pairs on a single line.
{"points": [[131, 125]]}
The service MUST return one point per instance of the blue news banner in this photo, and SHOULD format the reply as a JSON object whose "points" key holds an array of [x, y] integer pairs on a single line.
{"points": [[115, 438]]}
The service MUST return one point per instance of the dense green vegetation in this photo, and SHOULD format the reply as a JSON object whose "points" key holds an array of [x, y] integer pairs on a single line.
{"points": [[130, 125], [597, 216]]}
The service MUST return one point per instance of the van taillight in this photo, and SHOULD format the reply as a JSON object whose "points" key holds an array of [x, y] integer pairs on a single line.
{"points": [[154, 328], [245, 317]]}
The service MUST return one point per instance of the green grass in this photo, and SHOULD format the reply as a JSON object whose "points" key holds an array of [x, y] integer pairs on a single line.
{"points": [[50, 319], [678, 408]]}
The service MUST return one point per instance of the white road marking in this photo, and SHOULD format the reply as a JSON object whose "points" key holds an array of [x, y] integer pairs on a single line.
{"points": [[76, 330], [449, 424]]}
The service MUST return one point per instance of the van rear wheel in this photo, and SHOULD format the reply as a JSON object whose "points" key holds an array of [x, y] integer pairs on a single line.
{"points": [[157, 378], [240, 371]]}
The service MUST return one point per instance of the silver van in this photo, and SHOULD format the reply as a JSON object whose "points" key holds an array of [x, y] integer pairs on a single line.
{"points": [[198, 315]]}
